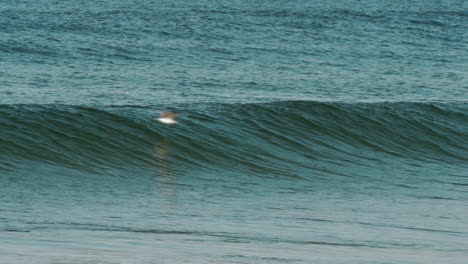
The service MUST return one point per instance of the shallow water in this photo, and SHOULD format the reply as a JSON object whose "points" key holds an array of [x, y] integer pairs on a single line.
{"points": [[310, 132]]}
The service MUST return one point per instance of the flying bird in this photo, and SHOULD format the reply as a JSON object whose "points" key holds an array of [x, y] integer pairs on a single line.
{"points": [[167, 118]]}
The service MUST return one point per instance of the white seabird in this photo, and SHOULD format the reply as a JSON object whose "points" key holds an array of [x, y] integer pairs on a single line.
{"points": [[167, 118]]}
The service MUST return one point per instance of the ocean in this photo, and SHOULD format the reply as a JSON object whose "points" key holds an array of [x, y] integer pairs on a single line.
{"points": [[311, 131]]}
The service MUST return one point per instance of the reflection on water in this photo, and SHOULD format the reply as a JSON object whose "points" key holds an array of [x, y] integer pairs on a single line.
{"points": [[163, 167]]}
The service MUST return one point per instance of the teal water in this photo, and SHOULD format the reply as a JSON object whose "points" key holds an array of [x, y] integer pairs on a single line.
{"points": [[310, 132]]}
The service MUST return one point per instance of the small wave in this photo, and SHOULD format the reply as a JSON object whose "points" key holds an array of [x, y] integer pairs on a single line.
{"points": [[26, 47], [17, 230], [431, 23]]}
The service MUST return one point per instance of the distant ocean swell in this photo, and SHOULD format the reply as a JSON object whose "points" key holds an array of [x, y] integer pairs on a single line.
{"points": [[268, 138], [173, 23]]}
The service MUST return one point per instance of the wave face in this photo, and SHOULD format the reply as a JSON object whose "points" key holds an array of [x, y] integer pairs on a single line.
{"points": [[295, 138]]}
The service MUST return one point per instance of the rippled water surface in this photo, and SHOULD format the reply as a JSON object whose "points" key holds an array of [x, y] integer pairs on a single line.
{"points": [[310, 132]]}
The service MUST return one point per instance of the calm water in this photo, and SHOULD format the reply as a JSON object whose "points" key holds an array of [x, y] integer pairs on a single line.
{"points": [[310, 132]]}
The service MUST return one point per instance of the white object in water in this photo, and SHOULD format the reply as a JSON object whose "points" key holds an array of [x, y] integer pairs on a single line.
{"points": [[167, 118]]}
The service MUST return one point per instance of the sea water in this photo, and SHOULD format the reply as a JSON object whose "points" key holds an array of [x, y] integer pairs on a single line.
{"points": [[309, 131]]}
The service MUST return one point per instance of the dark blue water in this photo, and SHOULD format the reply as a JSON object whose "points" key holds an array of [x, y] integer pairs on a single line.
{"points": [[310, 132]]}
